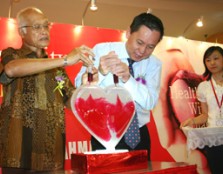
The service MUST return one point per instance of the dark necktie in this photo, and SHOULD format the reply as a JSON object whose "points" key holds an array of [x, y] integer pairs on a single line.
{"points": [[132, 135]]}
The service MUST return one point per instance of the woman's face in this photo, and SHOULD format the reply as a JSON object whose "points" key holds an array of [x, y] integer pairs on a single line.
{"points": [[214, 62]]}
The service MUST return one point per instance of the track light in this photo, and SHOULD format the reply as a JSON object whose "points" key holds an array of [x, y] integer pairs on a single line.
{"points": [[149, 10], [93, 6], [200, 22]]}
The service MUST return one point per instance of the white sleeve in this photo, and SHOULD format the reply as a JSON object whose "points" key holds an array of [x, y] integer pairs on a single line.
{"points": [[201, 92], [78, 78], [146, 95]]}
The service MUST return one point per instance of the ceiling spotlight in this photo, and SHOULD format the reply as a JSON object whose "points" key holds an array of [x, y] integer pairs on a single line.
{"points": [[93, 6], [149, 10], [200, 22]]}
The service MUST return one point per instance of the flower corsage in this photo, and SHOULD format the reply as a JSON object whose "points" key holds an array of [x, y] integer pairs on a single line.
{"points": [[141, 79], [60, 78]]}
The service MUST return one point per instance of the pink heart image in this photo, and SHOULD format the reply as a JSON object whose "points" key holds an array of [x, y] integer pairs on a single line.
{"points": [[105, 113]]}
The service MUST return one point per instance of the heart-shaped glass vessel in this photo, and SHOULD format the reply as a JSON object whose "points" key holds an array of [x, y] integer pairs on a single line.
{"points": [[105, 113]]}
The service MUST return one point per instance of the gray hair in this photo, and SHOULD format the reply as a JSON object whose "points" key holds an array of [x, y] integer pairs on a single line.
{"points": [[22, 15]]}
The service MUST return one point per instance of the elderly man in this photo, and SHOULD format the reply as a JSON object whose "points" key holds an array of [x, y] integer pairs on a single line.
{"points": [[32, 112]]}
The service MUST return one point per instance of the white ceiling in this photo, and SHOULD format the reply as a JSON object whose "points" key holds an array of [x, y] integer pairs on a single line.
{"points": [[176, 15]]}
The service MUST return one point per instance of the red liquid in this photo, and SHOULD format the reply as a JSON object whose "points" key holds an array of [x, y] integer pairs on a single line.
{"points": [[90, 77], [115, 78], [100, 115]]}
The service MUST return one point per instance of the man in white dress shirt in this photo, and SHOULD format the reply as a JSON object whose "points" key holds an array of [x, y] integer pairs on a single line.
{"points": [[145, 32]]}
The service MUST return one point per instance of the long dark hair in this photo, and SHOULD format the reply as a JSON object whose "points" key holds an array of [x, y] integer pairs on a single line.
{"points": [[207, 74], [150, 21]]}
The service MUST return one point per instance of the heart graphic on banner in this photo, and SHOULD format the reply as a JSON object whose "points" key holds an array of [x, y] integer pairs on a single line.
{"points": [[105, 113]]}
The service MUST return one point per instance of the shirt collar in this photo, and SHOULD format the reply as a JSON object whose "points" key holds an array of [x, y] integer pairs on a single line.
{"points": [[26, 51]]}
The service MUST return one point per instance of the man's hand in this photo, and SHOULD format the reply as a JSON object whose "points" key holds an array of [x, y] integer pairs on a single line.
{"points": [[95, 77], [82, 54], [108, 63]]}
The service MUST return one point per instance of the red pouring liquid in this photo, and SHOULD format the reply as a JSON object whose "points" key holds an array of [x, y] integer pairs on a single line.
{"points": [[101, 116]]}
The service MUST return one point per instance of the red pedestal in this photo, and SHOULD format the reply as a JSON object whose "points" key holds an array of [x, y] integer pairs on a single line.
{"points": [[109, 163]]}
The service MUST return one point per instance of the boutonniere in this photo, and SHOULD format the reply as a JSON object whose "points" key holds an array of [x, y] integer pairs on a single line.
{"points": [[141, 79], [60, 78]]}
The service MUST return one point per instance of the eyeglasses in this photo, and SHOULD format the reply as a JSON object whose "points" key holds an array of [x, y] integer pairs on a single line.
{"points": [[38, 27]]}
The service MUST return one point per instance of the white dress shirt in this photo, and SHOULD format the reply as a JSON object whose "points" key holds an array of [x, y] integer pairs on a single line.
{"points": [[145, 96], [206, 94]]}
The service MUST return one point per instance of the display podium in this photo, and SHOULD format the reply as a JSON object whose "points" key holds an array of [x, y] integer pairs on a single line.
{"points": [[109, 163]]}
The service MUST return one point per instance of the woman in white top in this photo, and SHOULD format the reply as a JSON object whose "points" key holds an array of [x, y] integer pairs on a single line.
{"points": [[210, 95]]}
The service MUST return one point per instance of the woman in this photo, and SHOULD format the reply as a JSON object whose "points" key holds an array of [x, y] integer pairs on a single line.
{"points": [[210, 94]]}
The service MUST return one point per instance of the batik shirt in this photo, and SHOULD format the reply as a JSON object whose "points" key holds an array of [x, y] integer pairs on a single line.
{"points": [[32, 131]]}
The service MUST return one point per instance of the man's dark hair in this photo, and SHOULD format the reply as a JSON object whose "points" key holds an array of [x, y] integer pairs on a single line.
{"points": [[150, 21]]}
